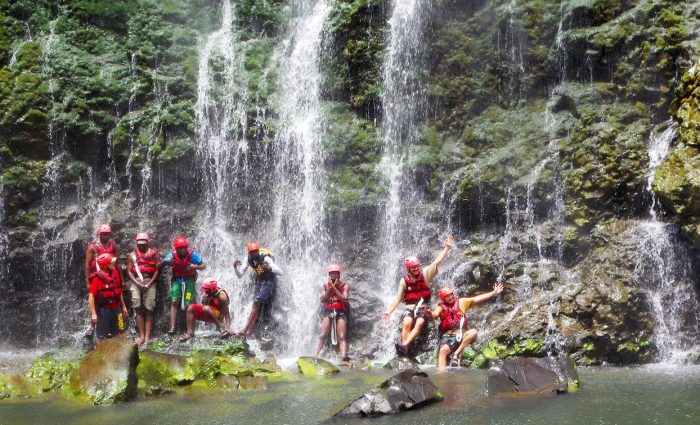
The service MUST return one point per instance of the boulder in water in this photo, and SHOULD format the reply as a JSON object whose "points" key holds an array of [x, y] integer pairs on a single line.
{"points": [[529, 375], [49, 373], [401, 363], [313, 366], [406, 390], [107, 374], [253, 382], [162, 370], [18, 386]]}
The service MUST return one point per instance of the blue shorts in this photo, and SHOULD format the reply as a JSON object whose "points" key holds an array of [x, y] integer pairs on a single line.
{"points": [[264, 291]]}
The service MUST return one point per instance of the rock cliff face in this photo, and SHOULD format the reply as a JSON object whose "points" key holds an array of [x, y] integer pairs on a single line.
{"points": [[534, 146]]}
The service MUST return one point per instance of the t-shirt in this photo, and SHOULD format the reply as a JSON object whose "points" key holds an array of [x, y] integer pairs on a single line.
{"points": [[194, 259], [465, 304]]}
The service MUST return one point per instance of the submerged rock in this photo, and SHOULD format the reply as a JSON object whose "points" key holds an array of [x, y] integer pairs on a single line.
{"points": [[107, 375], [164, 370], [18, 386], [528, 375], [407, 390], [401, 363], [313, 366]]}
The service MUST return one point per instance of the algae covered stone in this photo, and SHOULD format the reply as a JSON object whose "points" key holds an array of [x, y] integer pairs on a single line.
{"points": [[164, 370], [107, 374], [49, 373], [313, 366]]}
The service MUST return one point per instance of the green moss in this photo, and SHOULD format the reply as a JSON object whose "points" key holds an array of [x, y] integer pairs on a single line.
{"points": [[49, 373]]}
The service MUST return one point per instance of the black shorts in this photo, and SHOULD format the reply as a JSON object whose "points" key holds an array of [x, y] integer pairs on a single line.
{"points": [[340, 313], [264, 291], [450, 340], [109, 322], [408, 312]]}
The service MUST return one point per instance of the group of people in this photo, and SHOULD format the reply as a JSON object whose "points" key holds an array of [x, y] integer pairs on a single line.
{"points": [[144, 267]]}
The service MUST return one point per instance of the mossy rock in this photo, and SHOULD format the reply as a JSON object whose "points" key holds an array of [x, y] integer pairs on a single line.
{"points": [[164, 370], [313, 366], [107, 375], [18, 386], [49, 373]]}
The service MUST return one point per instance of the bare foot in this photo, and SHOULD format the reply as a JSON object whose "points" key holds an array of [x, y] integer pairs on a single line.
{"points": [[139, 341]]}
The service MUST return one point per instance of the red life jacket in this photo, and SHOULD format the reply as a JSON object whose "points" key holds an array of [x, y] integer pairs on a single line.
{"points": [[146, 262], [450, 317], [111, 248], [416, 289], [334, 300], [109, 287], [180, 266], [213, 301]]}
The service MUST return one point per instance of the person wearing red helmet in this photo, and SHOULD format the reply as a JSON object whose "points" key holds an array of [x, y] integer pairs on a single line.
{"points": [[185, 263], [143, 272], [414, 290], [104, 244], [451, 313], [213, 309], [105, 298], [266, 271], [334, 299]]}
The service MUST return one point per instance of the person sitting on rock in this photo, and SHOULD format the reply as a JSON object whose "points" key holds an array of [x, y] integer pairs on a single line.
{"points": [[414, 291], [334, 297], [213, 309], [105, 297], [185, 263], [104, 244], [266, 272], [142, 269], [452, 314]]}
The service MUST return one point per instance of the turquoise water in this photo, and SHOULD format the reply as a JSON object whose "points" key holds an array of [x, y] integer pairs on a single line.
{"points": [[645, 395]]}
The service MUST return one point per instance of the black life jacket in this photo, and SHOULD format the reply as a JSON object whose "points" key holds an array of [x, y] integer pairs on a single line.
{"points": [[416, 289], [450, 317], [180, 269]]}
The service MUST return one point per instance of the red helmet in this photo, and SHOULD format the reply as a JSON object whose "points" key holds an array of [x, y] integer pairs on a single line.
{"points": [[142, 237], [333, 268], [253, 246], [444, 292], [104, 228], [103, 260], [209, 285], [180, 242], [411, 261]]}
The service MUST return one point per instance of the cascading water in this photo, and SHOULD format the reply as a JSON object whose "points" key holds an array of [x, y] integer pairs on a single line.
{"points": [[663, 267], [300, 235], [403, 102]]}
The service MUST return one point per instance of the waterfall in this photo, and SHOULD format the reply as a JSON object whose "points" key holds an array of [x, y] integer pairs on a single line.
{"points": [[403, 102], [300, 235], [663, 268]]}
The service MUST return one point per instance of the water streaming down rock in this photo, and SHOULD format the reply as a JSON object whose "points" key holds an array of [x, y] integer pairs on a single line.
{"points": [[403, 102], [664, 267], [301, 239]]}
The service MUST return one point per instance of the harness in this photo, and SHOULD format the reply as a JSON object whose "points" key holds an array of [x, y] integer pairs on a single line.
{"points": [[109, 288], [146, 262], [334, 301], [416, 289], [450, 317], [257, 266], [111, 248], [180, 269]]}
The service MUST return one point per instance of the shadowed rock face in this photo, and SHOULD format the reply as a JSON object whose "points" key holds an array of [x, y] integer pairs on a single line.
{"points": [[527, 375], [107, 375], [407, 390]]}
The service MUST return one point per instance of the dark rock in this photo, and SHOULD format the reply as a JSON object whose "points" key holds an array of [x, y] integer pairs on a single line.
{"points": [[407, 390], [107, 375], [527, 375], [401, 363]]}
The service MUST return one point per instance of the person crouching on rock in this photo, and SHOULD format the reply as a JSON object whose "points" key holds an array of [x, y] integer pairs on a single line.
{"points": [[185, 263], [142, 269], [451, 313], [105, 299], [214, 309], [334, 297], [414, 292]]}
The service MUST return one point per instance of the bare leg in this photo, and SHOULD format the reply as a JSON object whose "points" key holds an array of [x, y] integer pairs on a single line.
{"points": [[406, 329], [415, 332], [190, 320], [325, 329], [173, 315], [140, 326], [442, 356], [342, 342], [468, 337], [148, 326], [252, 319]]}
